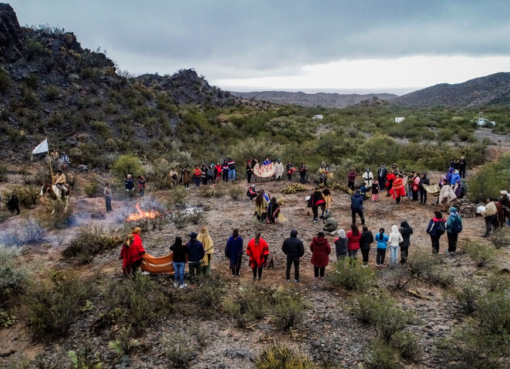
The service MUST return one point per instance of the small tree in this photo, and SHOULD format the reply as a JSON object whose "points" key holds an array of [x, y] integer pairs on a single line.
{"points": [[127, 164]]}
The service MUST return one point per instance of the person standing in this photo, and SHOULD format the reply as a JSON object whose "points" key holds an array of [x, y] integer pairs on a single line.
{"points": [[211, 174], [136, 250], [129, 184], [406, 231], [351, 178], [316, 200], [207, 242], [198, 176], [453, 228], [224, 171], [368, 177], [382, 243], [416, 186], [179, 262], [436, 229], [108, 197], [65, 161], [196, 252], [357, 207], [125, 255], [294, 249], [273, 210], [186, 177], [323, 173], [462, 167], [261, 206], [173, 178], [13, 204], [231, 170], [341, 246], [395, 239], [141, 186], [234, 251], [320, 249], [423, 192], [367, 238], [54, 156], [490, 214], [217, 170], [381, 176], [203, 171], [375, 191], [302, 173], [278, 170], [258, 251], [290, 170], [353, 238], [398, 190], [249, 171], [390, 177]]}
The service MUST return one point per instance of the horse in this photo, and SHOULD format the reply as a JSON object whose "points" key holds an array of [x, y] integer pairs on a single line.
{"points": [[56, 193]]}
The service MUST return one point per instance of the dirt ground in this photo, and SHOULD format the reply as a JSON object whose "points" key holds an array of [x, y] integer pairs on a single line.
{"points": [[328, 332]]}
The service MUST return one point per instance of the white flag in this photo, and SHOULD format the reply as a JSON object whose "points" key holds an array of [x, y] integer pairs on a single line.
{"points": [[42, 147]]}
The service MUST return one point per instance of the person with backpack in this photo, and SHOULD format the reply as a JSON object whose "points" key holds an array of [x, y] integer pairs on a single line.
{"points": [[382, 244], [294, 249], [453, 228], [436, 228]]}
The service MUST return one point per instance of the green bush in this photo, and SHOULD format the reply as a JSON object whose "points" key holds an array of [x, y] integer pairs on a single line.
{"points": [[5, 80], [35, 48], [500, 238], [178, 353], [352, 277], [91, 241], [489, 180], [127, 164], [92, 189], [282, 357], [52, 93], [50, 308], [236, 192], [3, 173], [31, 81], [406, 344], [31, 231], [481, 253], [13, 275], [467, 297], [382, 356]]}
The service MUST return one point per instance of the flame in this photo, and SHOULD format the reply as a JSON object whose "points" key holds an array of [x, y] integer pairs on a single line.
{"points": [[142, 214]]}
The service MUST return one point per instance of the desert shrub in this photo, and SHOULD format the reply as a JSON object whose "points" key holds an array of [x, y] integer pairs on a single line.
{"points": [[481, 253], [180, 219], [497, 283], [125, 343], [500, 238], [211, 191], [51, 307], [367, 308], [489, 180], [493, 313], [137, 302], [467, 297], [29, 98], [420, 264], [27, 195], [382, 356], [127, 164], [35, 48], [235, 192], [288, 309], [256, 148], [282, 357], [31, 231], [209, 295], [31, 81], [91, 241], [92, 189], [352, 278], [179, 353], [85, 358], [5, 80], [176, 197], [57, 215], [406, 344], [3, 173], [52, 93], [158, 173], [13, 275], [396, 278]]}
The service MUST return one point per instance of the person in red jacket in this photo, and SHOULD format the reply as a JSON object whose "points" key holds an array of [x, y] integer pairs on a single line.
{"points": [[320, 249], [132, 252], [197, 173], [353, 237], [258, 251], [389, 182], [398, 190]]}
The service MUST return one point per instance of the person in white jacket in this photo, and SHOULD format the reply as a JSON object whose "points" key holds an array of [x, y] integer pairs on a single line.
{"points": [[368, 176], [394, 241]]}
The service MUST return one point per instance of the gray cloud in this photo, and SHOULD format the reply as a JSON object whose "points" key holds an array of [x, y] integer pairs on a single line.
{"points": [[232, 39]]}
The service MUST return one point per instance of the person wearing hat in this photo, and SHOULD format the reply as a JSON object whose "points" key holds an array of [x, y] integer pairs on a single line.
{"points": [[453, 228], [251, 192], [381, 177], [196, 252], [294, 249], [278, 170]]}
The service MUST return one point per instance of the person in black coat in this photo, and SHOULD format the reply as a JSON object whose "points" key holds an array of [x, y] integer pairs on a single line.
{"points": [[462, 167], [13, 204], [367, 238], [423, 192], [294, 249], [406, 231], [357, 207], [316, 200], [179, 260], [196, 252], [381, 177]]}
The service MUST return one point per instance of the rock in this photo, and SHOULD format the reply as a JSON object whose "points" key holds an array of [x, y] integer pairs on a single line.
{"points": [[97, 215], [12, 43], [238, 353]]}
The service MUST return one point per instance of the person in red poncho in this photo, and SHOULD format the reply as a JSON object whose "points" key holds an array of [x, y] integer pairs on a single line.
{"points": [[389, 182], [398, 190], [131, 253], [320, 255], [258, 251]]}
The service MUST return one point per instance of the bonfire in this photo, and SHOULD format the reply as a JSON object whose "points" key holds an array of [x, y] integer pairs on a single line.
{"points": [[151, 214]]}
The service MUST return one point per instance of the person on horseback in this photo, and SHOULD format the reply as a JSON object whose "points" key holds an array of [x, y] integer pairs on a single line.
{"points": [[60, 181]]}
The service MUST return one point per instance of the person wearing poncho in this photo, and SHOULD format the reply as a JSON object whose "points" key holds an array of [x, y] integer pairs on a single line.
{"points": [[258, 251], [234, 251], [398, 190], [261, 206], [132, 251], [203, 236]]}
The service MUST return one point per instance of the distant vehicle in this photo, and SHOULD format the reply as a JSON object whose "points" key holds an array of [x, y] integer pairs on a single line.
{"points": [[318, 117], [399, 119], [485, 122]]}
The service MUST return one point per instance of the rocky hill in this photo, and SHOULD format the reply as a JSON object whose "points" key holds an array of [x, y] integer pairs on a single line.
{"points": [[327, 100], [489, 90], [50, 86]]}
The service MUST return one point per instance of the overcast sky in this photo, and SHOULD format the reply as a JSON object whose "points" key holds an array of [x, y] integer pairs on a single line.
{"points": [[308, 45]]}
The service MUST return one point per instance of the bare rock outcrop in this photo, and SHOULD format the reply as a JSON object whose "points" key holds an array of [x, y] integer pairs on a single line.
{"points": [[12, 42]]}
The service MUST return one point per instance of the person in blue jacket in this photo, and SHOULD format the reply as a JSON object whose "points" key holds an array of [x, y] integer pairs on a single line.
{"points": [[382, 244], [455, 177], [234, 251], [357, 207], [436, 228]]}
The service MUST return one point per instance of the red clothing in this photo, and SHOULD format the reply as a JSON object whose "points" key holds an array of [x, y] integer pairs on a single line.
{"points": [[352, 176], [353, 241], [197, 173], [320, 252], [416, 183], [257, 252], [398, 189], [131, 254], [389, 177], [218, 170]]}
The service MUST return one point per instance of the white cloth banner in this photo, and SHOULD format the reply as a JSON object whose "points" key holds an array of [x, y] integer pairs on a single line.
{"points": [[42, 147]]}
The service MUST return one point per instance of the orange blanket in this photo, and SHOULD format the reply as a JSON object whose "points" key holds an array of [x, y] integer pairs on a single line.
{"points": [[163, 264]]}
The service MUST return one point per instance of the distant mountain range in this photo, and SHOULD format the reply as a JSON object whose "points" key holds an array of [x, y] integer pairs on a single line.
{"points": [[327, 100], [489, 90]]}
